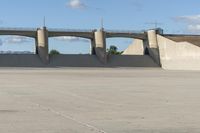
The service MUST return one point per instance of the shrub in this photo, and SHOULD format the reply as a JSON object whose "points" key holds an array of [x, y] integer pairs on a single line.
{"points": [[54, 52], [113, 50]]}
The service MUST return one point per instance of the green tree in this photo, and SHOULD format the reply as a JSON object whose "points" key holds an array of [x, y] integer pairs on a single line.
{"points": [[113, 50], [54, 52]]}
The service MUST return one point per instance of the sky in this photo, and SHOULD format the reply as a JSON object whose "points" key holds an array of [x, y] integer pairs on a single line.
{"points": [[174, 16]]}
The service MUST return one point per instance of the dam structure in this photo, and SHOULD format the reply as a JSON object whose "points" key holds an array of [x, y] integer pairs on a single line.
{"points": [[151, 48]]}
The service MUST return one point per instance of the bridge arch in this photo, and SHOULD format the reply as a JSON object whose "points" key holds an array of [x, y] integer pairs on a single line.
{"points": [[120, 43], [127, 42]]}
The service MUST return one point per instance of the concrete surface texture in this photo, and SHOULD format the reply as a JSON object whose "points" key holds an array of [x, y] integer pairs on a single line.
{"points": [[178, 55], [136, 48], [99, 101]]}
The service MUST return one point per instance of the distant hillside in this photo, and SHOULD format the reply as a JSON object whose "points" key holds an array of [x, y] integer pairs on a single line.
{"points": [[16, 52]]}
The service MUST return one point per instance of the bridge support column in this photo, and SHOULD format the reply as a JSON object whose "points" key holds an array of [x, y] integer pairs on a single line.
{"points": [[36, 46], [100, 45], [153, 47], [92, 47], [152, 37], [42, 44]]}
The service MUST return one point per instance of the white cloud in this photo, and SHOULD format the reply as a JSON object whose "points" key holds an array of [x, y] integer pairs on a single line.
{"points": [[192, 22], [137, 4], [76, 4], [194, 28], [193, 19], [16, 40], [1, 42], [71, 39]]}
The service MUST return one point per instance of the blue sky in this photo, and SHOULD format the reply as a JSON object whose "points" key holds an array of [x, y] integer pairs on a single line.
{"points": [[177, 16]]}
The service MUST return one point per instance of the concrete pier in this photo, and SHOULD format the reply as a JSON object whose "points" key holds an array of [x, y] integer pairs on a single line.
{"points": [[92, 47], [153, 45], [36, 46], [100, 45], [152, 37], [42, 44]]}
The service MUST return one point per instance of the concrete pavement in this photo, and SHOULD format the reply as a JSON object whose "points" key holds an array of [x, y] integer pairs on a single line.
{"points": [[84, 100]]}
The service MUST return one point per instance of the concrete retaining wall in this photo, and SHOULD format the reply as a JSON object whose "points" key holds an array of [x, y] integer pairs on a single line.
{"points": [[178, 55], [20, 60], [76, 61], [131, 61]]}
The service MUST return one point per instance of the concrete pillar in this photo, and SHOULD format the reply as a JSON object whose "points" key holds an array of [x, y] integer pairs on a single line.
{"points": [[36, 46], [100, 45], [153, 48], [92, 47], [42, 44], [152, 37]]}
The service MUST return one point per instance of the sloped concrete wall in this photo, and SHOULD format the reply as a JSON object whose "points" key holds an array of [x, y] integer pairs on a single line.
{"points": [[76, 61], [178, 55], [20, 60], [93, 61], [136, 48], [131, 61]]}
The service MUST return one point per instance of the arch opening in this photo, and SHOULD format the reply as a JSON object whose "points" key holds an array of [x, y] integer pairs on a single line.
{"points": [[15, 44], [120, 43], [70, 45]]}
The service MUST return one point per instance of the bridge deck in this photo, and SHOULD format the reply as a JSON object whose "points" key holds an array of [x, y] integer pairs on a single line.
{"points": [[53, 32]]}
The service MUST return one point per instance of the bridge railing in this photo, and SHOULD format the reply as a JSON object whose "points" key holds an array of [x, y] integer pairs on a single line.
{"points": [[18, 29], [70, 30], [125, 31]]}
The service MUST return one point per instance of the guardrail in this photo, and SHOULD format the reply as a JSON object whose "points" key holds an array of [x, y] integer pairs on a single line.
{"points": [[125, 31], [18, 29], [70, 30]]}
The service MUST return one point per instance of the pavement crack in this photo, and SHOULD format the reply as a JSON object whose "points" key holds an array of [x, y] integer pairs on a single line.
{"points": [[71, 118]]}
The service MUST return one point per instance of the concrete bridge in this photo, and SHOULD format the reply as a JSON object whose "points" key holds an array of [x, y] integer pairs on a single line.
{"points": [[97, 37], [151, 48]]}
